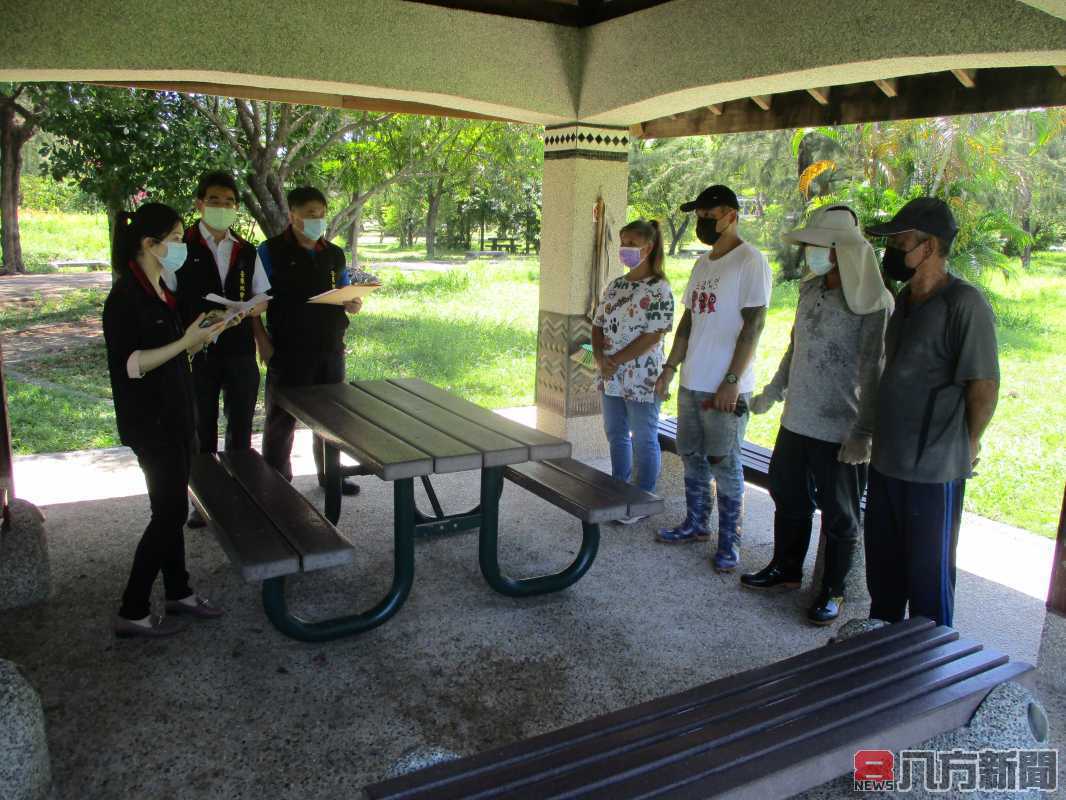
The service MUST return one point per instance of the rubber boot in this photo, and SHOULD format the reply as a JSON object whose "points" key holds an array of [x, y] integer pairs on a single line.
{"points": [[696, 526], [727, 555]]}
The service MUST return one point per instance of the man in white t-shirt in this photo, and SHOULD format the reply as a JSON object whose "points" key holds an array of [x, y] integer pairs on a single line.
{"points": [[725, 310]]}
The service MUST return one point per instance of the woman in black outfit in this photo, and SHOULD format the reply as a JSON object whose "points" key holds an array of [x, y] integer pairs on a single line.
{"points": [[148, 354]]}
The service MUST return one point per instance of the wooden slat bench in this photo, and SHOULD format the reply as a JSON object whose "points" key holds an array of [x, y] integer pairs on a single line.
{"points": [[766, 733], [582, 491], [266, 527], [755, 458]]}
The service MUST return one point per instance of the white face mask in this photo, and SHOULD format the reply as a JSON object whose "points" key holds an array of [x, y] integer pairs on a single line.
{"points": [[314, 229], [818, 260]]}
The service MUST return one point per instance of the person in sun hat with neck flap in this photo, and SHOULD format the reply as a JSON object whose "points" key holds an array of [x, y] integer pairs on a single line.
{"points": [[725, 311], [937, 395], [828, 379]]}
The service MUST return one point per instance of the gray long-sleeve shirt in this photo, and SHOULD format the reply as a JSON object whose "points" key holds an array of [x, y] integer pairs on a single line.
{"points": [[828, 377]]}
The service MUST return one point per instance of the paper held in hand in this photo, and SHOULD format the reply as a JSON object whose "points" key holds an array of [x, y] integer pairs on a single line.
{"points": [[345, 294], [234, 308]]}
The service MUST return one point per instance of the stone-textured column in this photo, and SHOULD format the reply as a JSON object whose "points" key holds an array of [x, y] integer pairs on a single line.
{"points": [[581, 163]]}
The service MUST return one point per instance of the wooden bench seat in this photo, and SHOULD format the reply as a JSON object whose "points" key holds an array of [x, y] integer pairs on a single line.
{"points": [[265, 526], [754, 457], [582, 491], [768, 733]]}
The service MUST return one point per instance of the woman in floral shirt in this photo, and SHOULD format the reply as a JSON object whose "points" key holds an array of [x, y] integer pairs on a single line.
{"points": [[636, 311]]}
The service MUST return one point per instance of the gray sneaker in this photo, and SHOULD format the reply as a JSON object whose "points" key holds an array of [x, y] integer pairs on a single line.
{"points": [[631, 520], [157, 628]]}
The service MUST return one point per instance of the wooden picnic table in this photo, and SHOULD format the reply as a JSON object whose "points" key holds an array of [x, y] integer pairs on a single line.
{"points": [[404, 429]]}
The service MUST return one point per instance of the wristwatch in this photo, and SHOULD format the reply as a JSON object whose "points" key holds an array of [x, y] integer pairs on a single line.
{"points": [[730, 377]]}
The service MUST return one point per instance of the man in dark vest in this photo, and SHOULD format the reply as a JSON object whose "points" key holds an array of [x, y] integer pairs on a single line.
{"points": [[221, 262], [306, 341]]}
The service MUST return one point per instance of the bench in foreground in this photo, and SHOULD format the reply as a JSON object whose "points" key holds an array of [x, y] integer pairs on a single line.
{"points": [[768, 733]]}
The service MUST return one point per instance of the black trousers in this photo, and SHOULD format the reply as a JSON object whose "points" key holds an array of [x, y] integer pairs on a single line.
{"points": [[303, 369], [162, 546], [805, 474], [237, 379], [912, 532]]}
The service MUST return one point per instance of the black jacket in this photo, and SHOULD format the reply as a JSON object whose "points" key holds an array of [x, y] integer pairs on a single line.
{"points": [[198, 277], [158, 408], [297, 274]]}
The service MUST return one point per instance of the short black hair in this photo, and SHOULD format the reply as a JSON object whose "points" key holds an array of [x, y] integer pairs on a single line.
{"points": [[217, 178], [302, 195]]}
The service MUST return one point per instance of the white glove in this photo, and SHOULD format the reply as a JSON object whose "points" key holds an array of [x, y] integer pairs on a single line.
{"points": [[761, 403], [855, 450]]}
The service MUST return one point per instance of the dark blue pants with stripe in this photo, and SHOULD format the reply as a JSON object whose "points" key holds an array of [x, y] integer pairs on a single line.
{"points": [[911, 532]]}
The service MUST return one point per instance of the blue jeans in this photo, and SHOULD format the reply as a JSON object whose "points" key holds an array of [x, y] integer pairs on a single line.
{"points": [[703, 434], [632, 427]]}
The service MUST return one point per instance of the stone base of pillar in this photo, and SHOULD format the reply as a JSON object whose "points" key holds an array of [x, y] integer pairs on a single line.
{"points": [[25, 769], [25, 575], [584, 433]]}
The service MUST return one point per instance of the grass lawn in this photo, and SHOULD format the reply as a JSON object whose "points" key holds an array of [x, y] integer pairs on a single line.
{"points": [[472, 329]]}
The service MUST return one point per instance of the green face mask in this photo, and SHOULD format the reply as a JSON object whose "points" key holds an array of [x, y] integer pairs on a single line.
{"points": [[221, 219]]}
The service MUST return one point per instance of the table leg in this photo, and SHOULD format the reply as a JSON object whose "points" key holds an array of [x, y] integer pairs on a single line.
{"points": [[488, 547], [331, 459], [403, 577]]}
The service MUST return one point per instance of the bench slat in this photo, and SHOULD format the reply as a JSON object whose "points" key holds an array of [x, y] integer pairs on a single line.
{"points": [[575, 497], [497, 450], [541, 445], [637, 500], [448, 453], [905, 634], [813, 760], [314, 539], [716, 767], [250, 540], [795, 695], [389, 458]]}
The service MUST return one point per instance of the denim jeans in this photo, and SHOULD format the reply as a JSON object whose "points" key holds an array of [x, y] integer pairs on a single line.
{"points": [[623, 419], [703, 432]]}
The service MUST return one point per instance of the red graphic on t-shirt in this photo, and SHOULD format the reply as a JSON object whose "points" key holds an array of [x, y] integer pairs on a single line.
{"points": [[703, 302]]}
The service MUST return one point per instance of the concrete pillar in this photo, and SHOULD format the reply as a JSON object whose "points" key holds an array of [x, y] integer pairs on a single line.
{"points": [[581, 163]]}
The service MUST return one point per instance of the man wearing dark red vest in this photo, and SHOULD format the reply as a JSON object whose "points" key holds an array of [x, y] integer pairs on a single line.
{"points": [[221, 262], [306, 340]]}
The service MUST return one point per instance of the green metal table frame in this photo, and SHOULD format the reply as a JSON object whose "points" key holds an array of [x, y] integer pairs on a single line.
{"points": [[408, 523]]}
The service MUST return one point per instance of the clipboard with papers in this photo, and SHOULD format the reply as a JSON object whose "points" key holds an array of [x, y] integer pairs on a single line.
{"points": [[235, 308], [344, 294]]}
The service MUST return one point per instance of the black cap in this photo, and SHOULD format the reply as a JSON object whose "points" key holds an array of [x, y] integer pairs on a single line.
{"points": [[712, 196], [926, 214]]}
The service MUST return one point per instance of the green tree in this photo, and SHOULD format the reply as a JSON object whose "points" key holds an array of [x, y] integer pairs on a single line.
{"points": [[18, 124], [124, 145]]}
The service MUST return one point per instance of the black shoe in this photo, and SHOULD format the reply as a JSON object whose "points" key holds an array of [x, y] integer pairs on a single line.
{"points": [[771, 577], [195, 520], [348, 488], [825, 609]]}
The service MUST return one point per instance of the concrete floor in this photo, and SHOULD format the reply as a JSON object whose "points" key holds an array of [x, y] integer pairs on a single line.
{"points": [[232, 709]]}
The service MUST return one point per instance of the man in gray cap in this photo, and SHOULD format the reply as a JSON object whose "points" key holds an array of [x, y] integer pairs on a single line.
{"points": [[936, 397]]}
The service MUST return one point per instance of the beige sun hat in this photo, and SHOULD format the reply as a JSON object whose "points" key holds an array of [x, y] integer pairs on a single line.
{"points": [[860, 273]]}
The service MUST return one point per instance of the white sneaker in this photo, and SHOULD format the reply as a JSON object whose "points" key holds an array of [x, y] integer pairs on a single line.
{"points": [[631, 520]]}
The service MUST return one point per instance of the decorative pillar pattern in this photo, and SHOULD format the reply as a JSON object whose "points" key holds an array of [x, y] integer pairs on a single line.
{"points": [[564, 385]]}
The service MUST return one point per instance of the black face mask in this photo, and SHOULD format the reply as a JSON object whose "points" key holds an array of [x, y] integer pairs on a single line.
{"points": [[894, 262], [707, 230]]}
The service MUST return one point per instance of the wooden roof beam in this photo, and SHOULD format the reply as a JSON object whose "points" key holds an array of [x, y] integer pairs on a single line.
{"points": [[820, 95], [763, 101], [967, 77], [930, 95], [715, 108], [888, 86]]}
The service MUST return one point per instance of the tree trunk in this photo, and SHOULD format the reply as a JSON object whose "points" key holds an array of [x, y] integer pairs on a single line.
{"points": [[676, 233], [431, 223], [263, 205], [353, 238], [12, 137], [1025, 198]]}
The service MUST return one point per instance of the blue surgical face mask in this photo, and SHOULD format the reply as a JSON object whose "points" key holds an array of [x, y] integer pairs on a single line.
{"points": [[314, 229], [630, 256], [174, 256], [818, 260]]}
